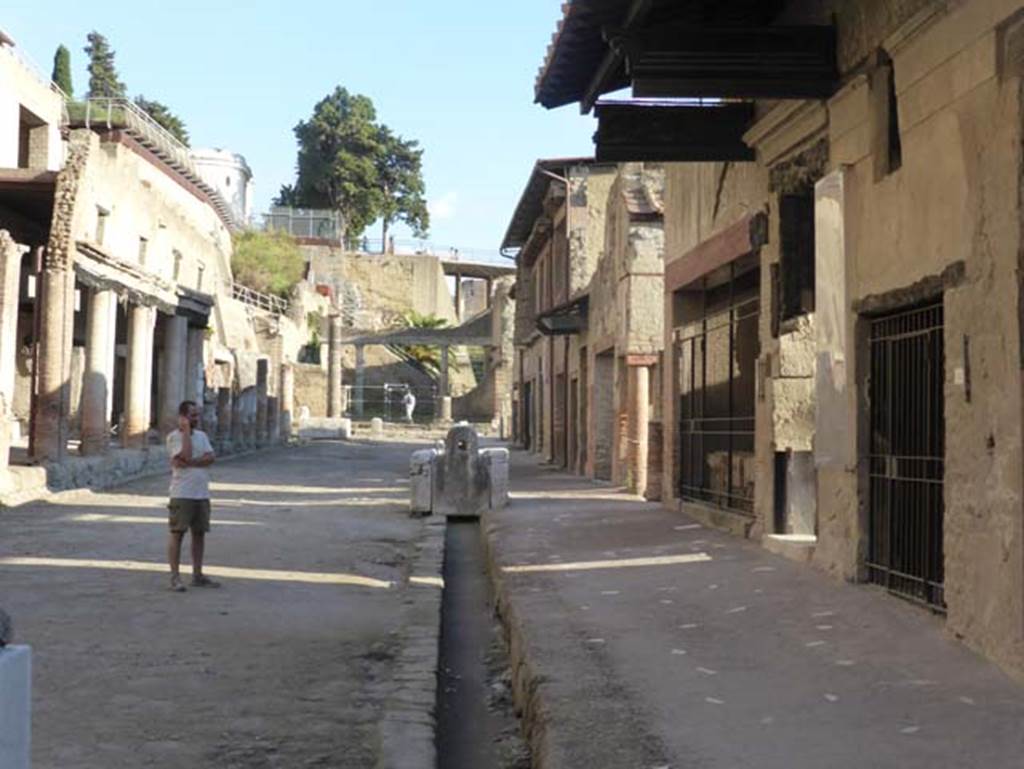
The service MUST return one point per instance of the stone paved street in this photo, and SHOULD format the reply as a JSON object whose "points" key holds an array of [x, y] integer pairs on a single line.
{"points": [[720, 654], [285, 666]]}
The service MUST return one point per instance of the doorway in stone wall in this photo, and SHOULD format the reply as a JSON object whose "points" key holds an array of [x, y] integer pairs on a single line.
{"points": [[906, 465]]}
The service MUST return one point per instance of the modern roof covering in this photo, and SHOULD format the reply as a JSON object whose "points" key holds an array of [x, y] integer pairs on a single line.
{"points": [[531, 203], [475, 332], [481, 270], [581, 47]]}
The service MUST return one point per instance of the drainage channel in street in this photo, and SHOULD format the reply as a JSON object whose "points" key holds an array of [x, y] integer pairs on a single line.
{"points": [[476, 724]]}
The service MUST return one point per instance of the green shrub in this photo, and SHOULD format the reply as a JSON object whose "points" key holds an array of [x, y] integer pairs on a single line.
{"points": [[270, 262]]}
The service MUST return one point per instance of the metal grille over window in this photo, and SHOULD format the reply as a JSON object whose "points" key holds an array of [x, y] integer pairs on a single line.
{"points": [[907, 447], [718, 359]]}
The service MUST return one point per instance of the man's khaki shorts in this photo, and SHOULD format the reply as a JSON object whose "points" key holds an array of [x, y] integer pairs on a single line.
{"points": [[189, 514]]}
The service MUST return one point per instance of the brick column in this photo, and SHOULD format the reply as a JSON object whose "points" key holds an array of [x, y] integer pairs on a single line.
{"points": [[53, 376], [334, 404], [10, 282], [273, 426], [359, 397], [286, 394], [249, 409], [195, 379], [224, 417], [141, 326], [172, 384], [100, 335], [262, 375], [638, 398], [237, 423], [444, 371]]}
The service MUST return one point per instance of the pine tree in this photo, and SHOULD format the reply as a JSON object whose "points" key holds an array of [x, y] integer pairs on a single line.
{"points": [[162, 115], [103, 80], [62, 70]]}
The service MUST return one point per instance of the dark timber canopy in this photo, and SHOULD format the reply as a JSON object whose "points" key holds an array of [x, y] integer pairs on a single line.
{"points": [[699, 52]]}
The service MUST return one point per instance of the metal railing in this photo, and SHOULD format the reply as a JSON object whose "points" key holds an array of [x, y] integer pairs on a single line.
{"points": [[305, 222], [110, 113], [29, 64], [257, 299], [122, 113], [387, 401], [413, 246]]}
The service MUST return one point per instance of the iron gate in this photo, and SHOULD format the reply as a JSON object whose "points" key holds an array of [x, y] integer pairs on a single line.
{"points": [[907, 447], [717, 394]]}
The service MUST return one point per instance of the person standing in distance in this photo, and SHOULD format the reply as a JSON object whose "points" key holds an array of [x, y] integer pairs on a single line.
{"points": [[409, 401], [191, 454]]}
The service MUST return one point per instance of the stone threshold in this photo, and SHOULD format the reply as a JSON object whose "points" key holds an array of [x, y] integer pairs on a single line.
{"points": [[734, 523], [796, 547]]}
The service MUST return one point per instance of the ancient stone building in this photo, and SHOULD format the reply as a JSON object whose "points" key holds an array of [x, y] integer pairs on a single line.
{"points": [[843, 227], [589, 322], [558, 229], [624, 332], [117, 295]]}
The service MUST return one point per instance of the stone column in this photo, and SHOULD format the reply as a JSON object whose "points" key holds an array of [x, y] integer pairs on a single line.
{"points": [[262, 374], [208, 403], [443, 409], [287, 399], [224, 417], [237, 423], [100, 336], [195, 379], [141, 326], [444, 371], [53, 376], [638, 418], [10, 286], [334, 405], [249, 408], [273, 425], [358, 399], [172, 384]]}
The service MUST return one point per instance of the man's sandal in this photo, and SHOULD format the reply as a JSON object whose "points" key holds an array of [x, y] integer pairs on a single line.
{"points": [[204, 581]]}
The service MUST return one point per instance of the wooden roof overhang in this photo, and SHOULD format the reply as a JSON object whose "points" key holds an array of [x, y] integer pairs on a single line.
{"points": [[588, 57], [481, 270], [732, 63], [696, 52], [662, 132]]}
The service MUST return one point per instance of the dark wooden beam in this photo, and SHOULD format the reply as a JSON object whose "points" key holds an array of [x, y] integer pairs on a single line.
{"points": [[629, 131], [733, 63], [609, 74]]}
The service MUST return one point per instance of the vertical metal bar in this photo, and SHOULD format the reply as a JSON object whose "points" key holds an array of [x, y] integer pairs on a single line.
{"points": [[731, 415], [703, 388]]}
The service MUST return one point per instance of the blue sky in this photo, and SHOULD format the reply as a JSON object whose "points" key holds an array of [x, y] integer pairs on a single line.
{"points": [[455, 74]]}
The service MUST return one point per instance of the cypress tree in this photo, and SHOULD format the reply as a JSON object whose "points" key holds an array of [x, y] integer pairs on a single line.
{"points": [[62, 70]]}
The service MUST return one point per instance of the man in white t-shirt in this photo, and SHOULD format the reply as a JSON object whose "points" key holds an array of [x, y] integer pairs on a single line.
{"points": [[191, 453], [409, 401]]}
